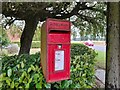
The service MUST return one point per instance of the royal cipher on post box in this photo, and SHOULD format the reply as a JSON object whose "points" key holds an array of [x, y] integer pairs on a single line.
{"points": [[55, 49]]}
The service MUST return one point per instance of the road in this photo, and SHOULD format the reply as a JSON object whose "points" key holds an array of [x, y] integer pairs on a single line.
{"points": [[99, 47]]}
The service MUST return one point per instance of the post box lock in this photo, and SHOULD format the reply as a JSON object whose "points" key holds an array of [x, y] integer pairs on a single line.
{"points": [[59, 46], [55, 49]]}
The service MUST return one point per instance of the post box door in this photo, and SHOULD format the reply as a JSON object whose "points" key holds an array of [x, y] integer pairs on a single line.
{"points": [[59, 61]]}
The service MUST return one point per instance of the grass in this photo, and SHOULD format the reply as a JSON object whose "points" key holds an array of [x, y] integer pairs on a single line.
{"points": [[101, 59], [34, 50]]}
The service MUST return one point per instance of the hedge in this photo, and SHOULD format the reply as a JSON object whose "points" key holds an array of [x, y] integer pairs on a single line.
{"points": [[4, 40], [25, 71], [35, 44]]}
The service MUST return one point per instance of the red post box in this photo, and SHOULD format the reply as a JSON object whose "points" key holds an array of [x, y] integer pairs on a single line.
{"points": [[55, 49]]}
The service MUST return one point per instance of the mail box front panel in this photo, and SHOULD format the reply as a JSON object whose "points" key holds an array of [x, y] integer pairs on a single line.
{"points": [[59, 62]]}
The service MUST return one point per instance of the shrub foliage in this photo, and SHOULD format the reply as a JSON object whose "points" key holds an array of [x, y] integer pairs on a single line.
{"points": [[4, 40], [25, 71]]}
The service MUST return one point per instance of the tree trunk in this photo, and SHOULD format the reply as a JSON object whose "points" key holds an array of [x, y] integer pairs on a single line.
{"points": [[27, 35], [113, 46]]}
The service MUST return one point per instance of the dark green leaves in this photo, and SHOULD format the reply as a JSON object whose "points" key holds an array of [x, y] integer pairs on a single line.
{"points": [[25, 71], [92, 21], [9, 72]]}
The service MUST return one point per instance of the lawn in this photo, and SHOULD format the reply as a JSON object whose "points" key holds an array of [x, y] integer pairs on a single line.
{"points": [[101, 59]]}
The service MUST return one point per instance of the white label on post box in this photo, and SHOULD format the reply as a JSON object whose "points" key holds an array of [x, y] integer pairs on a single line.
{"points": [[59, 60]]}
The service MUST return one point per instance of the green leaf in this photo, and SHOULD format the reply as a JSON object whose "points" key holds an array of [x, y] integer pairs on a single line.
{"points": [[77, 85], [36, 76], [70, 81], [1, 77], [22, 64], [38, 85], [27, 85], [24, 74], [48, 85], [32, 67], [12, 84], [1, 84], [65, 84], [8, 81], [25, 81], [9, 72], [20, 87], [16, 85], [29, 69], [18, 66], [20, 79], [30, 80]]}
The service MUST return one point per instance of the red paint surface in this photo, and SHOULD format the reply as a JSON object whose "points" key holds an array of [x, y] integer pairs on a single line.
{"points": [[62, 74], [58, 25]]}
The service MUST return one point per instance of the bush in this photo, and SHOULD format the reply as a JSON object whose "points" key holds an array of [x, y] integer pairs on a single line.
{"points": [[35, 44], [22, 72], [25, 71], [3, 52], [81, 49], [4, 41], [82, 65], [82, 68]]}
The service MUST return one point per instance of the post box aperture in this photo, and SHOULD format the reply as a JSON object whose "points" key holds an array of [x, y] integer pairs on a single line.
{"points": [[55, 49]]}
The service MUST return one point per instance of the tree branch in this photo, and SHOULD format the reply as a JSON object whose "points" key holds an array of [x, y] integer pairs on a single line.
{"points": [[9, 22]]}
